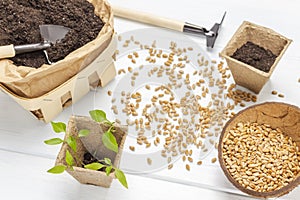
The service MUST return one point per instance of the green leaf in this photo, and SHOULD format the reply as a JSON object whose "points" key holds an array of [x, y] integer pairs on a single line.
{"points": [[71, 168], [69, 158], [94, 166], [107, 161], [98, 115], [72, 143], [58, 169], [121, 177], [83, 133], [110, 141], [108, 170], [58, 127], [54, 141]]}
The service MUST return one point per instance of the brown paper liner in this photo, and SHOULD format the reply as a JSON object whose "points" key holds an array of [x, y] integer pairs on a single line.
{"points": [[278, 115], [30, 82], [244, 74], [87, 176]]}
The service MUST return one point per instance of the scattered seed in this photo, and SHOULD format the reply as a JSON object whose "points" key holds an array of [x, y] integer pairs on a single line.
{"points": [[281, 95], [213, 160], [274, 92], [149, 161], [109, 93], [199, 162], [119, 37], [132, 148], [187, 167], [164, 55], [216, 145], [136, 54], [163, 102], [140, 142], [190, 159], [115, 111], [120, 71]]}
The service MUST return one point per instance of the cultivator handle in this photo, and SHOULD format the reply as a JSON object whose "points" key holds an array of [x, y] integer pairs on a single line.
{"points": [[148, 18]]}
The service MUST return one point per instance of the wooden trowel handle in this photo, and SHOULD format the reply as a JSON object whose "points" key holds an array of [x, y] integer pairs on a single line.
{"points": [[7, 51], [148, 18]]}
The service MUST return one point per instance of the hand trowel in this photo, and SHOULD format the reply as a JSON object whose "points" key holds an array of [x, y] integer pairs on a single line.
{"points": [[51, 34]]}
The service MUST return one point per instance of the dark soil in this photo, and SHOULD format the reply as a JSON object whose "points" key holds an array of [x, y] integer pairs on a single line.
{"points": [[256, 56], [88, 159], [20, 20]]}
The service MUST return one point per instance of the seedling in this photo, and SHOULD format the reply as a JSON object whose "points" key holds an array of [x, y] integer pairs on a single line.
{"points": [[108, 140]]}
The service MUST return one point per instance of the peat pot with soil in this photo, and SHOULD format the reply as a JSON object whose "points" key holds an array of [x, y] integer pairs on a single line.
{"points": [[253, 53], [91, 149]]}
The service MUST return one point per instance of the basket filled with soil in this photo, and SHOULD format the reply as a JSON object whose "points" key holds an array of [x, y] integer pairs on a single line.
{"points": [[253, 53], [259, 149], [29, 77]]}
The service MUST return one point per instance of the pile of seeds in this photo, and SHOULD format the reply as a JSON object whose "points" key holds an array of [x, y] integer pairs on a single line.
{"points": [[260, 158], [239, 96], [178, 124]]}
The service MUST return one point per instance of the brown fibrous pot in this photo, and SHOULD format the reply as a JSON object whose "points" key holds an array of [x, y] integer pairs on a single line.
{"points": [[278, 115]]}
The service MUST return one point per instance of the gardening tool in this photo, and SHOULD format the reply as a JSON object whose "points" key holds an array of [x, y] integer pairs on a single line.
{"points": [[211, 35], [51, 35]]}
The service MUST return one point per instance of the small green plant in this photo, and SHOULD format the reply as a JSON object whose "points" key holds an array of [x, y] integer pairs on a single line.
{"points": [[108, 140]]}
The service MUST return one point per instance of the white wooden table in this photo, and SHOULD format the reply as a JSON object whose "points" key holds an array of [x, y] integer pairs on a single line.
{"points": [[24, 159]]}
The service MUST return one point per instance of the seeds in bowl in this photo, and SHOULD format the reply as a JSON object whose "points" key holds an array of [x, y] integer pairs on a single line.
{"points": [[259, 157]]}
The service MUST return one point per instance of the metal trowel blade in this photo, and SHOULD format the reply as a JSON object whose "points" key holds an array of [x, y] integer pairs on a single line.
{"points": [[53, 33]]}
